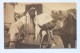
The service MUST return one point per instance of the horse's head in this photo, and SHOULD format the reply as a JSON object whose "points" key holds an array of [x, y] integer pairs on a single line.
{"points": [[59, 22], [69, 19], [13, 32]]}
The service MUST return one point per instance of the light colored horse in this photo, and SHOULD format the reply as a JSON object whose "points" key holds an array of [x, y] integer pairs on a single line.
{"points": [[16, 29], [21, 26]]}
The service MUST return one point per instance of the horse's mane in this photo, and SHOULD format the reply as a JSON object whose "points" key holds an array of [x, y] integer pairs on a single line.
{"points": [[69, 21]]}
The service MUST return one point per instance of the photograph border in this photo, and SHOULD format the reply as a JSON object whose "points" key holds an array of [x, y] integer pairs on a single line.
{"points": [[2, 50]]}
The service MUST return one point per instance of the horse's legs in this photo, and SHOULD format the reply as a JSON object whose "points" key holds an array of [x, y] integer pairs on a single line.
{"points": [[65, 42], [72, 43]]}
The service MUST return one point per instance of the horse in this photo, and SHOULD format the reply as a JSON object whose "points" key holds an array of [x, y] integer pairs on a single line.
{"points": [[44, 24], [16, 31], [66, 26], [68, 31]]}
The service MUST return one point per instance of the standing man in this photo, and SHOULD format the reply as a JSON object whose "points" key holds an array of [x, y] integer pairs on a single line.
{"points": [[31, 13]]}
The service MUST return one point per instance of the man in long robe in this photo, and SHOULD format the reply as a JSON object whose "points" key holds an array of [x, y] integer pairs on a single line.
{"points": [[30, 24]]}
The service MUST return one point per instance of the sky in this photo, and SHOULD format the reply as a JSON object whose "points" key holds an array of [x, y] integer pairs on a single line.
{"points": [[48, 7]]}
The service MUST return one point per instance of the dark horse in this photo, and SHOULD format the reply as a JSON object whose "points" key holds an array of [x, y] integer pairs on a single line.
{"points": [[68, 31]]}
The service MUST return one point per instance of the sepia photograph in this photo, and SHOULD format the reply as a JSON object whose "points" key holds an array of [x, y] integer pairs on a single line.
{"points": [[40, 25]]}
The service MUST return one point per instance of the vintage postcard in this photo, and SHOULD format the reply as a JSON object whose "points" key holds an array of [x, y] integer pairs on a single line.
{"points": [[40, 25]]}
